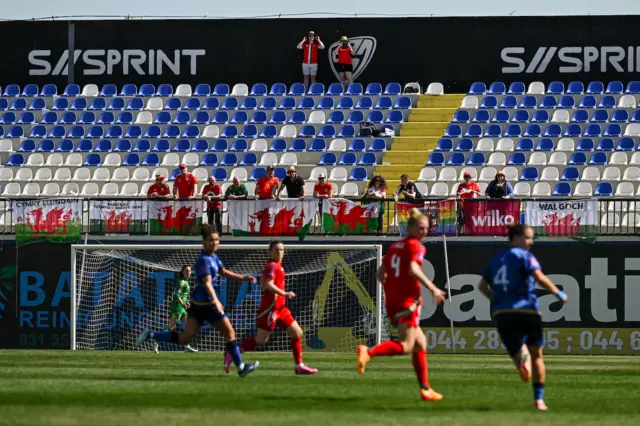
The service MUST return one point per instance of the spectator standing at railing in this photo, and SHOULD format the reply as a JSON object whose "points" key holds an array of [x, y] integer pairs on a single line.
{"points": [[408, 190], [376, 191], [236, 191], [322, 189], [294, 185], [466, 190], [267, 186], [309, 46], [499, 188], [344, 61], [185, 185], [159, 189], [212, 193]]}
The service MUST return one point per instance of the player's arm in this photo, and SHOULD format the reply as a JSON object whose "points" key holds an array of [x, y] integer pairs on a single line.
{"points": [[485, 288], [269, 285], [234, 276], [545, 282], [415, 271]]}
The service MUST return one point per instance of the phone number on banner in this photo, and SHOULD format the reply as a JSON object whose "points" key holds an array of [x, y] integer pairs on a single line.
{"points": [[575, 341]]}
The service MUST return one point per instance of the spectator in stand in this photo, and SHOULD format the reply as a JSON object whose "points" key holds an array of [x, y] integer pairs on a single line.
{"points": [[309, 46], [185, 185], [344, 63], [499, 188], [237, 191], [322, 189], [267, 186], [159, 189], [294, 185], [376, 191], [212, 193], [468, 189], [408, 190]]}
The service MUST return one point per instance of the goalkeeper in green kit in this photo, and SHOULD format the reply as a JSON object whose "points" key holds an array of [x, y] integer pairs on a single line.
{"points": [[179, 305]]}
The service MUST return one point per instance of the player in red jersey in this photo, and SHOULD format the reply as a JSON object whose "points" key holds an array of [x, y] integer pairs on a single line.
{"points": [[401, 275], [273, 311]]}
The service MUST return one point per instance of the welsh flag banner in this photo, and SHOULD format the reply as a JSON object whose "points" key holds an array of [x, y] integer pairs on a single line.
{"points": [[272, 217], [182, 217], [442, 216], [341, 216], [118, 217], [54, 219], [567, 218]]}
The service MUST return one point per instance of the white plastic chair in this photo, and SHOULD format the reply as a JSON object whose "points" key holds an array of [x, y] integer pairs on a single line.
{"points": [[611, 174], [435, 89], [317, 117], [109, 189], [448, 174], [505, 145], [439, 189], [487, 174], [338, 145], [591, 174], [625, 189], [62, 174], [51, 189], [308, 188], [31, 189], [154, 104], [485, 145], [43, 175], [6, 145], [240, 173], [211, 131], [536, 88], [90, 90], [627, 101], [560, 116], [349, 189], [24, 174], [537, 159], [201, 174], [90, 189], [70, 188], [129, 189], [191, 159], [454, 189], [82, 174], [121, 174], [422, 187], [268, 159], [240, 89], [618, 158], [289, 159], [144, 189], [160, 171], [11, 189], [170, 159], [469, 102], [510, 173], [184, 90], [558, 159], [631, 173], [6, 174], [583, 189], [610, 220], [541, 189], [55, 160], [101, 174], [35, 159], [259, 145], [427, 174], [635, 159], [522, 189], [140, 174], [144, 117], [566, 144], [632, 129], [497, 159], [315, 172], [338, 174], [288, 131], [631, 219], [112, 160]]}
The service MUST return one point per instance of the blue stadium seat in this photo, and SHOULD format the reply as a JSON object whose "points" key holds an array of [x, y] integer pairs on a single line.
{"points": [[318, 145], [278, 145], [46, 145], [477, 88], [373, 89], [592, 130], [481, 116], [165, 90], [517, 88], [229, 159], [553, 130], [220, 117], [115, 104], [513, 131], [19, 104], [493, 131], [146, 90], [229, 132], [30, 90], [79, 104], [595, 88], [327, 132], [525, 144], [162, 118], [384, 102], [239, 117], [620, 116], [435, 159], [328, 159], [200, 145], [555, 88], [598, 159], [544, 144], [49, 90], [517, 159], [378, 145], [258, 89], [445, 145], [562, 189], [580, 116], [229, 103], [131, 160], [509, 102], [453, 131], [135, 104], [519, 116], [124, 117], [607, 101], [211, 104], [633, 87], [123, 145], [114, 132], [151, 160], [249, 131], [357, 145], [346, 103], [248, 103], [578, 159], [104, 145], [355, 117], [287, 103], [614, 87], [325, 103], [603, 189], [155, 132], [258, 117], [161, 145], [60, 104], [364, 102], [575, 88], [476, 159], [133, 132], [307, 103], [473, 131], [108, 90], [92, 160], [249, 159], [347, 131], [298, 145], [336, 117], [461, 116], [74, 132], [142, 145], [15, 160], [392, 89], [190, 132], [585, 144], [548, 101], [85, 145], [221, 89], [354, 89], [37, 104], [27, 145], [573, 130], [8, 118], [278, 89], [297, 117], [296, 89], [528, 101], [335, 89], [174, 104], [587, 101], [626, 144], [605, 144], [489, 102], [88, 117], [220, 174], [540, 116], [566, 102], [66, 145], [269, 131], [277, 117], [129, 90], [18, 132], [464, 145], [358, 174], [613, 130], [183, 117], [635, 118], [11, 90], [316, 89], [27, 118], [257, 173], [393, 117], [403, 102], [367, 159], [529, 174], [174, 174], [497, 88], [220, 145]]}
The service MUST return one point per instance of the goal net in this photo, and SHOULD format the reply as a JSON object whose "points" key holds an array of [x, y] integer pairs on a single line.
{"points": [[120, 290]]}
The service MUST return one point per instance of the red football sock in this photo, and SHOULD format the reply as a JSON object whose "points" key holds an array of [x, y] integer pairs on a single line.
{"points": [[388, 348], [296, 348], [248, 344], [420, 366]]}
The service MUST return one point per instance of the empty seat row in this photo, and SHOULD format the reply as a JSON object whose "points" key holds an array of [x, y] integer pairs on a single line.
{"points": [[555, 87], [542, 116], [578, 158], [553, 130], [548, 101], [540, 144]]}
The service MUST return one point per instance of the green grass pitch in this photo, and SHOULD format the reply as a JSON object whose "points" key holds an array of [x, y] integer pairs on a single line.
{"points": [[143, 388]]}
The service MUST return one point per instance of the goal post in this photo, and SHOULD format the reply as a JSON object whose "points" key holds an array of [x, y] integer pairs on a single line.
{"points": [[118, 290]]}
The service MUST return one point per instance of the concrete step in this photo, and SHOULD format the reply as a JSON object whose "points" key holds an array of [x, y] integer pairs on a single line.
{"points": [[413, 146], [416, 139], [422, 132], [436, 125]]}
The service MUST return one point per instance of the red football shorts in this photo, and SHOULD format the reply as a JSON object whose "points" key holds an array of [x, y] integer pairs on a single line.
{"points": [[408, 314], [270, 319]]}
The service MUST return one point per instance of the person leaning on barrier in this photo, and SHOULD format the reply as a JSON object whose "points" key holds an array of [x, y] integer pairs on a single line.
{"points": [[267, 185], [185, 185], [499, 188], [408, 190], [212, 193], [236, 191], [159, 189], [376, 191], [294, 185], [322, 189], [466, 190]]}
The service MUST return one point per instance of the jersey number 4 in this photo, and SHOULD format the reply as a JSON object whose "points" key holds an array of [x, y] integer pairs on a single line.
{"points": [[395, 264], [500, 278]]}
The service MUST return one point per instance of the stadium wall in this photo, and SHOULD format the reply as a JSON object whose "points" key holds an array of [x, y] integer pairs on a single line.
{"points": [[602, 281], [455, 51]]}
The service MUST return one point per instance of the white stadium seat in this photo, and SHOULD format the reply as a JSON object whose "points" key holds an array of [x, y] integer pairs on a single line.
{"points": [[635, 159], [121, 174], [423, 188], [11, 190], [435, 89], [35, 159], [427, 174], [439, 189], [469, 102], [537, 159], [112, 159], [497, 159], [24, 174], [505, 145], [338, 145], [90, 90], [70, 188], [591, 174], [240, 173], [160, 171], [317, 117], [288, 131], [129, 189], [448, 174], [610, 220], [56, 160], [43, 175], [338, 174], [141, 174], [144, 188], [536, 88], [6, 174], [560, 116], [144, 117], [170, 159], [6, 145], [522, 189], [201, 174], [454, 189], [624, 189], [240, 89], [31, 189], [154, 104], [632, 129], [618, 158], [583, 189], [268, 159], [511, 173], [558, 159], [82, 174], [611, 174], [62, 174], [487, 174], [349, 189], [211, 131], [184, 90], [541, 189], [259, 145], [101, 174], [289, 159], [485, 144], [471, 170], [627, 101], [313, 177], [51, 189], [631, 173], [109, 189], [566, 144], [550, 174], [191, 159], [631, 219]]}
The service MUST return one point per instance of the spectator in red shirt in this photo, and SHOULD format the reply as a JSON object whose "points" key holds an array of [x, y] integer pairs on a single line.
{"points": [[466, 190], [267, 186], [212, 193], [159, 189], [309, 46], [322, 189], [344, 64], [185, 185]]}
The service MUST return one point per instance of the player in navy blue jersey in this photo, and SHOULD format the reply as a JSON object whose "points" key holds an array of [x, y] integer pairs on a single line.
{"points": [[205, 305], [510, 282]]}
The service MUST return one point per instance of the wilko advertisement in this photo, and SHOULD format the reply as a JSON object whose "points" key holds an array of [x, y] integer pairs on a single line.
{"points": [[128, 217], [575, 218], [347, 217], [175, 217], [485, 217], [271, 217], [57, 219]]}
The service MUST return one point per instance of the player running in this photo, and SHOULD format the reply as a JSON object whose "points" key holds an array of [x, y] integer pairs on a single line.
{"points": [[179, 305], [401, 275], [205, 305], [510, 282], [273, 311]]}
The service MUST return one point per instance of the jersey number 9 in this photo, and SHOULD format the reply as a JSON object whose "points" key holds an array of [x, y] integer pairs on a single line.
{"points": [[395, 264], [500, 278]]}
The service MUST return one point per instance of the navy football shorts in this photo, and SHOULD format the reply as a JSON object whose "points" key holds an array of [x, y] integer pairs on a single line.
{"points": [[516, 329], [205, 313]]}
